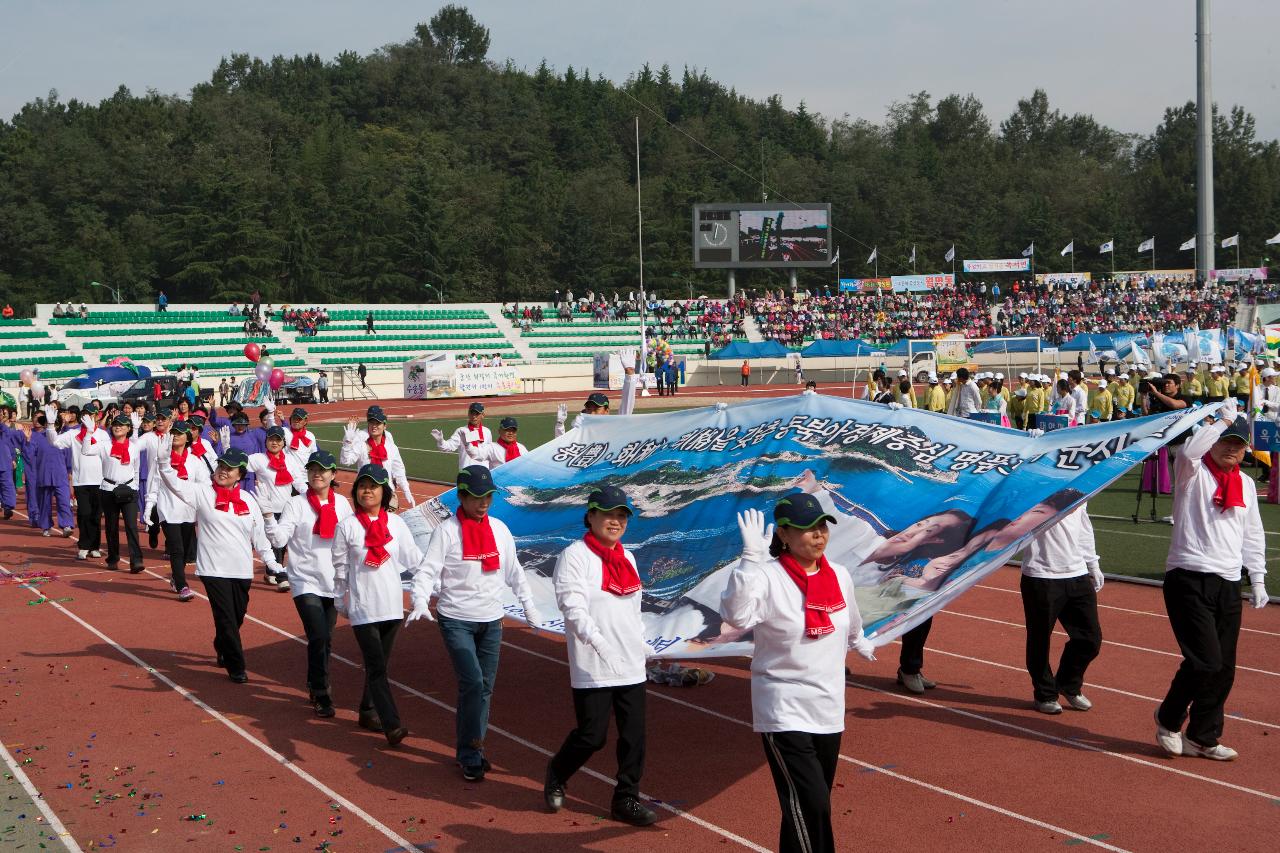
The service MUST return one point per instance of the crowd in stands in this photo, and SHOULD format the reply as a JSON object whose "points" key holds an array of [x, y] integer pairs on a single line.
{"points": [[305, 321], [480, 360], [877, 318], [1253, 291], [674, 320], [69, 310]]}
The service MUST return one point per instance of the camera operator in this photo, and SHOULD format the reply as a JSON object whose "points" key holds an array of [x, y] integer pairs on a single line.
{"points": [[1161, 394]]}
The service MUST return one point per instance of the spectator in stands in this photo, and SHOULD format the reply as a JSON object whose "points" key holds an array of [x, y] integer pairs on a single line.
{"points": [[162, 302], [8, 311], [84, 311], [322, 386], [232, 310], [59, 311], [368, 324], [361, 371]]}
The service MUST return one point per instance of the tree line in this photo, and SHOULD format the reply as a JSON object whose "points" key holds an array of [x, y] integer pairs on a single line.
{"points": [[368, 178]]}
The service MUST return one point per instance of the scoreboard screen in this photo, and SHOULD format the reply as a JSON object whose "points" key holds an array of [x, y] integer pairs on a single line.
{"points": [[742, 236]]}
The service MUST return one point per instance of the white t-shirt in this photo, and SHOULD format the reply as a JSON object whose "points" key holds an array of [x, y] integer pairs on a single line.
{"points": [[225, 546], [272, 498], [168, 502], [1065, 550], [470, 445], [310, 565], [468, 592], [595, 618], [374, 594]]}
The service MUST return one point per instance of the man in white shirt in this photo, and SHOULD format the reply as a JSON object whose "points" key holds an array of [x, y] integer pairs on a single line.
{"points": [[468, 441], [1217, 529], [508, 447], [1266, 397], [473, 556], [1060, 583], [966, 398]]}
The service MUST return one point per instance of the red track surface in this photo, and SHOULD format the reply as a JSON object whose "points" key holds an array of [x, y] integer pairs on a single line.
{"points": [[124, 758]]}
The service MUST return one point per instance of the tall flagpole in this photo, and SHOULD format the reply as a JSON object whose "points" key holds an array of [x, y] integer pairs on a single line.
{"points": [[644, 341], [1073, 254]]}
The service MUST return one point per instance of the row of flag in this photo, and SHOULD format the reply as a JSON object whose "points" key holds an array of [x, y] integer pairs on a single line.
{"points": [[1147, 245]]}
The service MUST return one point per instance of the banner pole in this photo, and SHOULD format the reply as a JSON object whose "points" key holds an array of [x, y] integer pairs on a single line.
{"points": [[1073, 254]]}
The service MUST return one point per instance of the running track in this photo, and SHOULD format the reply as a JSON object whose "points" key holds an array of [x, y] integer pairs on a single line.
{"points": [[114, 711]]}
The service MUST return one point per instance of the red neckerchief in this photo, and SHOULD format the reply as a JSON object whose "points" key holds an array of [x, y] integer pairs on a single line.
{"points": [[299, 438], [376, 537], [226, 500], [326, 515], [277, 464], [479, 439], [821, 592], [478, 542], [178, 459], [620, 577], [120, 450], [157, 430], [197, 446], [84, 430], [512, 449], [378, 450], [1230, 491]]}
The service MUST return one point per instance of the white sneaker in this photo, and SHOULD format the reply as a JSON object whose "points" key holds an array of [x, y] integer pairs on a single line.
{"points": [[1214, 753], [1078, 701], [1170, 742], [95, 553], [1050, 707], [46, 533]]}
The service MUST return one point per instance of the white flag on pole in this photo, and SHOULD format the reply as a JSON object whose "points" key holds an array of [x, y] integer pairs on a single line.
{"points": [[1109, 246], [913, 255], [1148, 245], [836, 259], [1273, 240], [1231, 241], [951, 253], [874, 254], [1187, 246], [1069, 249], [1030, 250]]}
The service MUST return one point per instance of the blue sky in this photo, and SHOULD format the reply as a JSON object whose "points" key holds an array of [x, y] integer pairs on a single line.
{"points": [[1124, 62]]}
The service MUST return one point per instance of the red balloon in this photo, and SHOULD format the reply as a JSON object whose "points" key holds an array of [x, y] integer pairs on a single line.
{"points": [[276, 379], [252, 352]]}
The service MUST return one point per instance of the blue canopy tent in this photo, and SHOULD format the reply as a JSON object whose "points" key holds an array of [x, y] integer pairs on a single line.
{"points": [[829, 349], [991, 345], [900, 348], [743, 349], [1110, 340]]}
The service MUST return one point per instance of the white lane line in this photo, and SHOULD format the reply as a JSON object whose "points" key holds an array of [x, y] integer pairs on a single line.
{"points": [[711, 827], [1075, 744], [871, 767], [1105, 642], [38, 798], [1101, 606], [212, 712]]}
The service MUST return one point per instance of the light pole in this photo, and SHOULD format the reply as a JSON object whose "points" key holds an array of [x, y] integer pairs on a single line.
{"points": [[115, 292], [437, 290]]}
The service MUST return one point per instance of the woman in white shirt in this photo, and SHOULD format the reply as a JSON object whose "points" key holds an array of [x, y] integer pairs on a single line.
{"points": [[279, 476], [177, 518], [598, 591], [804, 618], [473, 557], [231, 530], [119, 488], [375, 446], [308, 527], [371, 549]]}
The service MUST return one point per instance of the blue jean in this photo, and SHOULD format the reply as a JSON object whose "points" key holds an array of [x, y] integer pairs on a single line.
{"points": [[473, 648]]}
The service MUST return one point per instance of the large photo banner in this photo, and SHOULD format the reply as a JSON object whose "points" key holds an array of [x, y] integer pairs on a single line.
{"points": [[926, 504]]}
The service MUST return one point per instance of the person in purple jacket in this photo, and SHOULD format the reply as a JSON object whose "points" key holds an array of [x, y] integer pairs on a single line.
{"points": [[10, 436], [48, 473], [248, 440]]}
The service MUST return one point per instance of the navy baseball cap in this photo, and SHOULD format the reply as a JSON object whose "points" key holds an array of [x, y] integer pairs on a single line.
{"points": [[164, 412], [475, 409], [196, 419], [373, 472], [375, 413], [509, 423], [476, 480], [148, 417], [233, 404], [323, 458], [180, 426], [800, 510], [121, 420], [234, 459], [92, 407], [275, 431], [298, 414], [608, 498], [1239, 430], [598, 399], [240, 418]]}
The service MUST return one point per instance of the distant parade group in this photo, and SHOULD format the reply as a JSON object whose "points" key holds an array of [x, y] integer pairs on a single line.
{"points": [[223, 487]]}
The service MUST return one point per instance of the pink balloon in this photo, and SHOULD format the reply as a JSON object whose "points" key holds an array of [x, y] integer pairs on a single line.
{"points": [[25, 376], [252, 351], [276, 379]]}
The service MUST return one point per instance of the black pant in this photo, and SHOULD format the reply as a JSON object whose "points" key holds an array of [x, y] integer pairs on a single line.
{"points": [[745, 380], [89, 517], [911, 658], [804, 771], [324, 395], [279, 552], [1204, 612], [180, 541], [1074, 603], [591, 708], [153, 529], [376, 640], [318, 617], [112, 512], [229, 601]]}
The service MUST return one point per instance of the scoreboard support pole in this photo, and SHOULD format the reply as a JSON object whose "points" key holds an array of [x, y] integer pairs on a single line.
{"points": [[793, 280], [732, 284]]}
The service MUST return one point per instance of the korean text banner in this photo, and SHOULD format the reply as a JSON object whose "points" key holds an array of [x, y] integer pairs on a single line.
{"points": [[998, 265], [925, 504]]}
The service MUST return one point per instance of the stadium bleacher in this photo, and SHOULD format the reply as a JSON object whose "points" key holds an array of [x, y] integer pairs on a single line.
{"points": [[24, 345]]}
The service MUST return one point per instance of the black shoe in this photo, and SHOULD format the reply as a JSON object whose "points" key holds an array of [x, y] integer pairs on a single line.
{"points": [[632, 811], [396, 735], [370, 722], [239, 677], [8, 513], [136, 570], [222, 662], [113, 567], [473, 772], [552, 791], [324, 707]]}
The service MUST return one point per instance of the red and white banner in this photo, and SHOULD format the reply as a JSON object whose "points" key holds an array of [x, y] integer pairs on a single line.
{"points": [[999, 265]]}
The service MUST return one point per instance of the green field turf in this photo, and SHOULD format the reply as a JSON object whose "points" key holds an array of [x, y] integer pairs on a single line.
{"points": [[1125, 548]]}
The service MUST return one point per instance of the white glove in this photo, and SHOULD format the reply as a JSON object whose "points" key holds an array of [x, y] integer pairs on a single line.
{"points": [[895, 406], [562, 412], [51, 415], [1095, 574], [1228, 411], [720, 407], [349, 432], [612, 661], [756, 536], [531, 616], [1035, 433], [1260, 597], [420, 611], [166, 447], [224, 437], [269, 523], [136, 419], [862, 646], [269, 404], [408, 498], [340, 597], [438, 436]]}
